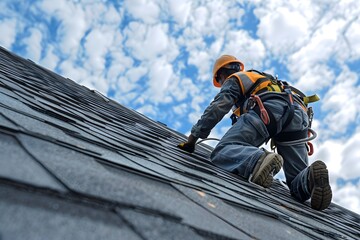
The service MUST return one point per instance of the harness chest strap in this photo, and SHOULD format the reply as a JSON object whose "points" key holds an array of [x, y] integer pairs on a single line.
{"points": [[251, 84]]}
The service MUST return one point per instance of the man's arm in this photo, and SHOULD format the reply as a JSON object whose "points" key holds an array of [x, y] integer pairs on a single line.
{"points": [[218, 108]]}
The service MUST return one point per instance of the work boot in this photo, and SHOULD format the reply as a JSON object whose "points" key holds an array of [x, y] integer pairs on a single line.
{"points": [[319, 186], [267, 166]]}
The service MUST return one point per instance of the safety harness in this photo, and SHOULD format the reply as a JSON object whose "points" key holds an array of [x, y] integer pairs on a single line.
{"points": [[258, 90]]}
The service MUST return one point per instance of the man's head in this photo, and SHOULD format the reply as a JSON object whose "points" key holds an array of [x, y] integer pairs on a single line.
{"points": [[225, 66]]}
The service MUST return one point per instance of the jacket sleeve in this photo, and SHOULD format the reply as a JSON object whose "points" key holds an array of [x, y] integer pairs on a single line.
{"points": [[218, 108]]}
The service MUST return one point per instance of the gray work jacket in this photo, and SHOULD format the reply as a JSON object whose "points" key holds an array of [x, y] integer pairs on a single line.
{"points": [[229, 94]]}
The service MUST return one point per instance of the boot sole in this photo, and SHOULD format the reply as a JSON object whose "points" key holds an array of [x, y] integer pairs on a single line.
{"points": [[270, 166], [321, 193]]}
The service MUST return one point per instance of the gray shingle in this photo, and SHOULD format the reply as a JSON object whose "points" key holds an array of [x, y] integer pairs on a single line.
{"points": [[6, 123], [157, 227], [16, 164], [31, 215], [84, 175], [243, 219]]}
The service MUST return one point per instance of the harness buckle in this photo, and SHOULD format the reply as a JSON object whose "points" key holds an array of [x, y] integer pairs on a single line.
{"points": [[310, 114], [250, 104]]}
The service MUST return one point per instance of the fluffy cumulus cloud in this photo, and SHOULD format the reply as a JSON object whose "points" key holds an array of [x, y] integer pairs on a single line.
{"points": [[97, 44], [180, 11], [33, 44], [240, 44], [313, 56], [159, 80], [352, 38], [348, 196], [147, 41], [283, 30], [148, 12], [50, 58], [72, 23], [342, 103], [156, 57], [8, 32]]}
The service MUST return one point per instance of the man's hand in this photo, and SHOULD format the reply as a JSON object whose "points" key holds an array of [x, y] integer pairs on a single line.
{"points": [[189, 146]]}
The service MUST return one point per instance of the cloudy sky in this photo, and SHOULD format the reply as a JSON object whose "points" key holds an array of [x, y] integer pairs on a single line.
{"points": [[156, 57]]}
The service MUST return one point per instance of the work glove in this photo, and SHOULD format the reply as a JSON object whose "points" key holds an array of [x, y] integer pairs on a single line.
{"points": [[188, 146]]}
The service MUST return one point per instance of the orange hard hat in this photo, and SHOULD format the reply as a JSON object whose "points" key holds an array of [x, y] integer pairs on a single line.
{"points": [[221, 62]]}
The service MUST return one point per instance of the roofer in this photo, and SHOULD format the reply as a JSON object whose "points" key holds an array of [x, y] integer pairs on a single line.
{"points": [[265, 108]]}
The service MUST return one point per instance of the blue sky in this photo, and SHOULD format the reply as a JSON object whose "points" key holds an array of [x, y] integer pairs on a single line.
{"points": [[156, 57]]}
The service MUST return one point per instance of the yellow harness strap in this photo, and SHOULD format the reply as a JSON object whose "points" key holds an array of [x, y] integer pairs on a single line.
{"points": [[274, 88], [310, 99]]}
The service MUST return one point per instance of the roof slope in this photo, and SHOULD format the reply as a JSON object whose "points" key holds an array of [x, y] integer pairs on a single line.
{"points": [[76, 165]]}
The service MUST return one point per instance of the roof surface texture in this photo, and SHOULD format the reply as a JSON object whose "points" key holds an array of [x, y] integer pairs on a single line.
{"points": [[76, 165]]}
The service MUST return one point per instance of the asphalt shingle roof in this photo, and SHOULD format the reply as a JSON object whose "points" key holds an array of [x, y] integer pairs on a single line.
{"points": [[77, 165]]}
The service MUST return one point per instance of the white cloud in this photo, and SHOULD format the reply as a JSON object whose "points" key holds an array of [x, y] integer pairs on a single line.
{"points": [[183, 89], [180, 10], [200, 17], [342, 103], [125, 85], [97, 12], [134, 74], [120, 64], [211, 18], [315, 78], [33, 44], [75, 73], [147, 42], [348, 196], [159, 79], [126, 98], [50, 60], [144, 10], [177, 125], [283, 30], [147, 110], [97, 44], [321, 47], [307, 8], [313, 34], [250, 51], [201, 60], [180, 109], [8, 32], [351, 155], [73, 23], [353, 38], [111, 15]]}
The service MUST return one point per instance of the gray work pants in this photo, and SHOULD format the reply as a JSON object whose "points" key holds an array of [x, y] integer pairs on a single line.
{"points": [[238, 151]]}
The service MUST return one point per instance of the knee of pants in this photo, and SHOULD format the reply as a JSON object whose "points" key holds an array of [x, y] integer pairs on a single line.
{"points": [[298, 192]]}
